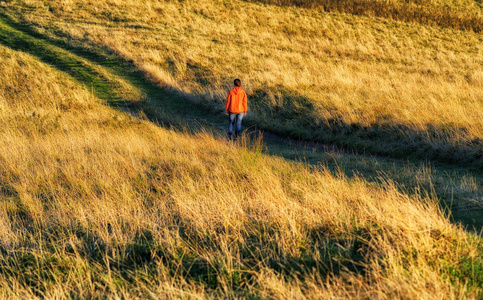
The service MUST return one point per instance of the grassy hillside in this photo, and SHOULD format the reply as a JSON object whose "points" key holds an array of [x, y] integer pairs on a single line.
{"points": [[98, 203], [374, 84]]}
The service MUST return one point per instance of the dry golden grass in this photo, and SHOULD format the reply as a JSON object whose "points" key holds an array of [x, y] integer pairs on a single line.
{"points": [[95, 203], [360, 81], [465, 14]]}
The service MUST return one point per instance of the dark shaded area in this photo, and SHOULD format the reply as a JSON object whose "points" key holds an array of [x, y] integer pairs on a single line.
{"points": [[321, 252], [406, 12], [292, 114]]}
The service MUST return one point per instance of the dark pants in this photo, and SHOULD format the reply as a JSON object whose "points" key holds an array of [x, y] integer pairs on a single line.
{"points": [[235, 121]]}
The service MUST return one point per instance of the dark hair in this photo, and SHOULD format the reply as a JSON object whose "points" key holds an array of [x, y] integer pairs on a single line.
{"points": [[237, 82]]}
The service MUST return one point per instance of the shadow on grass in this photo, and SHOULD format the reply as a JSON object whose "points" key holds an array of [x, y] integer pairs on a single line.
{"points": [[291, 114], [102, 71]]}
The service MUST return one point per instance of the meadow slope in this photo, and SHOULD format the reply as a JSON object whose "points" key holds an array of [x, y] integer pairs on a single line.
{"points": [[383, 82], [97, 203]]}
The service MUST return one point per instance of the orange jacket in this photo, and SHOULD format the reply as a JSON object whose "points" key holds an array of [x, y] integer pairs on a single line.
{"points": [[236, 102]]}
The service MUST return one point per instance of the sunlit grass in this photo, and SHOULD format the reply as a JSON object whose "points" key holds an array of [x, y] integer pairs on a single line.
{"points": [[97, 203], [460, 14]]}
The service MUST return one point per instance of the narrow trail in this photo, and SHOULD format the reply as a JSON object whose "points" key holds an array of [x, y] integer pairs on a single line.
{"points": [[120, 84]]}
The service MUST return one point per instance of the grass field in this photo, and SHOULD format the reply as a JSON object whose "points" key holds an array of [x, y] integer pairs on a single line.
{"points": [[375, 85], [97, 202], [459, 14]]}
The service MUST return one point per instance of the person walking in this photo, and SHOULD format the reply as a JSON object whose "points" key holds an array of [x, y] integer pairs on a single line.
{"points": [[236, 108]]}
